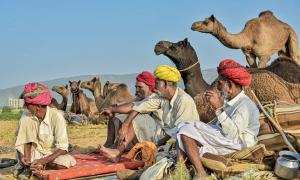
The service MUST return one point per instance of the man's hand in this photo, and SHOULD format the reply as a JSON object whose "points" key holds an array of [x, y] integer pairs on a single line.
{"points": [[25, 161], [123, 132], [39, 164], [107, 112], [214, 99]]}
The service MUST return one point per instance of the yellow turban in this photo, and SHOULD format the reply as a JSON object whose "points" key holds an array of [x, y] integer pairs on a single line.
{"points": [[167, 73]]}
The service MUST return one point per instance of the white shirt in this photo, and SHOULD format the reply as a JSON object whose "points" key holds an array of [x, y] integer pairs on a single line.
{"points": [[240, 120], [47, 136]]}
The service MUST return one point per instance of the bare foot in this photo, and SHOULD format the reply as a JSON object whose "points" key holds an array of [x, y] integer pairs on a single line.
{"points": [[113, 154]]}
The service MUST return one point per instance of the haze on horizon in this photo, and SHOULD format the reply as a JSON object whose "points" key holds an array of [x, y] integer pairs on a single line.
{"points": [[48, 40]]}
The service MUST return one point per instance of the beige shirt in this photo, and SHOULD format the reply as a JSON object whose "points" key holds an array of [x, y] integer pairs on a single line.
{"points": [[181, 108], [47, 136]]}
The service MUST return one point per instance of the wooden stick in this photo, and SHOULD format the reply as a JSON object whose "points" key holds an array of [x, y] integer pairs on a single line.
{"points": [[290, 146]]}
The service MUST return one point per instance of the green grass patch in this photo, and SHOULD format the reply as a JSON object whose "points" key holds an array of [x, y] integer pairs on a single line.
{"points": [[9, 115]]}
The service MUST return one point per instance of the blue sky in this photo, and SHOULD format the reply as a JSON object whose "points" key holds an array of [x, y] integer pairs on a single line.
{"points": [[44, 40]]}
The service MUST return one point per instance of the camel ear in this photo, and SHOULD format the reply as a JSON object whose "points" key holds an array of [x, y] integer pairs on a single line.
{"points": [[185, 41], [212, 17]]}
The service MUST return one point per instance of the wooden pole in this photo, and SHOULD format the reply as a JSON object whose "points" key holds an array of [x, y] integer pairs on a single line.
{"points": [[290, 146]]}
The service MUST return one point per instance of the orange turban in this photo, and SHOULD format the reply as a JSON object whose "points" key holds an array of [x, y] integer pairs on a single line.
{"points": [[234, 71]]}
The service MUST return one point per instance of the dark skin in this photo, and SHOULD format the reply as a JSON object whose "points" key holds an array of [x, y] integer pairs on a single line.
{"points": [[164, 89], [46, 162], [192, 146]]}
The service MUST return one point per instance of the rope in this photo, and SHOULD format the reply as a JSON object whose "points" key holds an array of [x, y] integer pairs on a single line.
{"points": [[185, 69], [274, 123]]}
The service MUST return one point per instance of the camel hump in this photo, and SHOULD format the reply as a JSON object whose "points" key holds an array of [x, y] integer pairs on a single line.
{"points": [[265, 13]]}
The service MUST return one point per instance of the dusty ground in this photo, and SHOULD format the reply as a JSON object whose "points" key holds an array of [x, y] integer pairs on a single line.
{"points": [[82, 138]]}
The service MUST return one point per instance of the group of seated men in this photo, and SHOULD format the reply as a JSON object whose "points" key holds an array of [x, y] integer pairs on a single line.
{"points": [[160, 111]]}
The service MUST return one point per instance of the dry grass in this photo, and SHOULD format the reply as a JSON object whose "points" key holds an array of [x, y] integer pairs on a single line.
{"points": [[79, 136]]}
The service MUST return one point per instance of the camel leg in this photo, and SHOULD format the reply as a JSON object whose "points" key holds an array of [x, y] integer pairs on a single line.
{"points": [[251, 59], [263, 61]]}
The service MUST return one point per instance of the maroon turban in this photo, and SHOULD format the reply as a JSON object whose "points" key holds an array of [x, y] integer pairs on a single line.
{"points": [[147, 78], [232, 70]]}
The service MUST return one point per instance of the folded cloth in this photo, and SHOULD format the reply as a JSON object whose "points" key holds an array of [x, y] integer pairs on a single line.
{"points": [[145, 151]]}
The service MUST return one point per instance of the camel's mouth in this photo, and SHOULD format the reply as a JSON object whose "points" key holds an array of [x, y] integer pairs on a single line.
{"points": [[54, 88], [161, 47], [196, 26]]}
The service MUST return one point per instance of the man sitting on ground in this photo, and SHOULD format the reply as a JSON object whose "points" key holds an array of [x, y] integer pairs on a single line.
{"points": [[42, 140], [144, 88], [237, 119], [176, 105]]}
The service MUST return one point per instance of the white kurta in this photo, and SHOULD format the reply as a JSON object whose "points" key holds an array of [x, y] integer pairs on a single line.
{"points": [[237, 127]]}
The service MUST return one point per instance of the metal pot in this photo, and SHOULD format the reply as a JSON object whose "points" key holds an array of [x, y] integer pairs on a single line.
{"points": [[287, 164]]}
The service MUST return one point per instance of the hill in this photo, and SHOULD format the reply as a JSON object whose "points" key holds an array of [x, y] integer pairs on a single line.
{"points": [[129, 79]]}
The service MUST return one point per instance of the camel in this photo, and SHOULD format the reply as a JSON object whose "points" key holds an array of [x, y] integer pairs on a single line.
{"points": [[81, 103], [261, 37], [118, 94], [266, 85], [284, 67], [113, 93], [64, 92], [108, 87], [94, 86]]}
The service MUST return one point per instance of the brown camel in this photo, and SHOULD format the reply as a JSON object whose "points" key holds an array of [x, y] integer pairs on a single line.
{"points": [[108, 87], [285, 68], [118, 94], [261, 37], [267, 86], [81, 103], [64, 92], [94, 86]]}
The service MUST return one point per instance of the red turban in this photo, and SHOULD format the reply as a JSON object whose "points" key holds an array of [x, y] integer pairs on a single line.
{"points": [[35, 93], [147, 78], [232, 70]]}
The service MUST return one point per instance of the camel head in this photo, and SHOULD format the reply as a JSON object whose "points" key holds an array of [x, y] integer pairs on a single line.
{"points": [[62, 90], [108, 87], [207, 26], [182, 54], [74, 86], [91, 85]]}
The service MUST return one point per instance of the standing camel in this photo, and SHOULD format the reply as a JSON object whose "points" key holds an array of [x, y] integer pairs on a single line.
{"points": [[261, 37]]}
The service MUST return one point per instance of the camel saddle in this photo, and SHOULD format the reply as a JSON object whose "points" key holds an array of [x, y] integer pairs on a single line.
{"points": [[288, 117]]}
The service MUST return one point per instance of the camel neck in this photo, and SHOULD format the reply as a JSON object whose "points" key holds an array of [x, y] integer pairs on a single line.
{"points": [[194, 82], [234, 41], [97, 92]]}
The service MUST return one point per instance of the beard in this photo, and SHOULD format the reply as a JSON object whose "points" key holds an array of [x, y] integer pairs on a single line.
{"points": [[225, 95]]}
